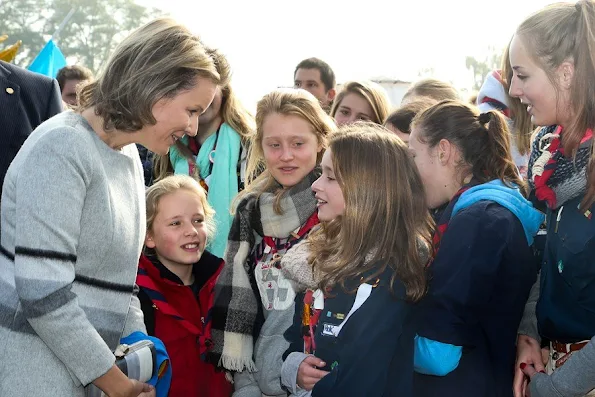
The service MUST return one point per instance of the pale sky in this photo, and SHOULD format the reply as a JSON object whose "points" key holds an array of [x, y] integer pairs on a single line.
{"points": [[265, 39]]}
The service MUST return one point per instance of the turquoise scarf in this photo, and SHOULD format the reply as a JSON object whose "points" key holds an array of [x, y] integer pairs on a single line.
{"points": [[223, 180]]}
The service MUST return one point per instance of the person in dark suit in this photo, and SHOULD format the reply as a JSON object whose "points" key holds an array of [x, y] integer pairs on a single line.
{"points": [[27, 99]]}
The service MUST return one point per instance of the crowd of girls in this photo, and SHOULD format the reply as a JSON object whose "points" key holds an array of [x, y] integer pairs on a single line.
{"points": [[440, 248]]}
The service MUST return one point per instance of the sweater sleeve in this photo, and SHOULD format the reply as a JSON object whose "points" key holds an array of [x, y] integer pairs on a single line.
{"points": [[293, 335], [245, 385], [289, 373], [50, 193], [134, 319], [379, 324], [528, 325], [574, 379]]}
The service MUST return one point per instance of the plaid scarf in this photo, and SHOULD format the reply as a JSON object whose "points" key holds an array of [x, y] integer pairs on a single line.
{"points": [[554, 177], [237, 302]]}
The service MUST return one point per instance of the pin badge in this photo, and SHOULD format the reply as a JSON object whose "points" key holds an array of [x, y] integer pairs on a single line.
{"points": [[9, 90], [560, 266]]}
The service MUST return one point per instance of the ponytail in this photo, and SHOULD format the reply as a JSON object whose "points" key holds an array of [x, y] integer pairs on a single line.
{"points": [[497, 161], [483, 139]]}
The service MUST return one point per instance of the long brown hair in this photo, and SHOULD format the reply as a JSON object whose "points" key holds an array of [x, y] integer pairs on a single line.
{"points": [[558, 33], [386, 222], [483, 139], [523, 128]]}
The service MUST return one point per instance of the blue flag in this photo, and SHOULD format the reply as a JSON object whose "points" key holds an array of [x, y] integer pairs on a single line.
{"points": [[49, 60]]}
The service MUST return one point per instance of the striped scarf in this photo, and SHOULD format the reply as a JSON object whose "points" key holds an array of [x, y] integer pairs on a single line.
{"points": [[237, 302], [554, 177]]}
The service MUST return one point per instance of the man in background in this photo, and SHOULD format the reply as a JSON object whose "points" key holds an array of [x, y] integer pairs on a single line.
{"points": [[317, 77], [69, 77], [27, 99]]}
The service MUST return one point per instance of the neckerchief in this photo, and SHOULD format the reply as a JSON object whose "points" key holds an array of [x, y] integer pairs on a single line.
{"points": [[442, 223]]}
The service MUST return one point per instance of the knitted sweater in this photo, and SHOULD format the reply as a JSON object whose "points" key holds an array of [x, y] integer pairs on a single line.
{"points": [[72, 221]]}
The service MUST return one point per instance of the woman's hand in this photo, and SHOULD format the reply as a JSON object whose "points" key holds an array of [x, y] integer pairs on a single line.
{"points": [[115, 384], [134, 389], [140, 389], [528, 352], [529, 371], [308, 375]]}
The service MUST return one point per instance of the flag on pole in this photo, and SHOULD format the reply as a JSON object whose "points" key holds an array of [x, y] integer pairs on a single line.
{"points": [[8, 54], [49, 60]]}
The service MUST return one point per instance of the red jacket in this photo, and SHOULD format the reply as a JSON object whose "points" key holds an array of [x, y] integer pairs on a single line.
{"points": [[182, 321]]}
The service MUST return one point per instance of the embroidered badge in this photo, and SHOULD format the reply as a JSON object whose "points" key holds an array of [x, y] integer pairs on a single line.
{"points": [[328, 329], [162, 369], [587, 213], [339, 316], [328, 314]]}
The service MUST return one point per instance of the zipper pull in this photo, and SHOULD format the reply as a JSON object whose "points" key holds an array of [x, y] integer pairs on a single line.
{"points": [[558, 218]]}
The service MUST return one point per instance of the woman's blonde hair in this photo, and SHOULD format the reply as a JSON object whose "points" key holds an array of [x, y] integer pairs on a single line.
{"points": [[386, 222], [156, 61], [435, 89], [286, 102], [232, 112], [172, 184], [373, 93], [566, 32]]}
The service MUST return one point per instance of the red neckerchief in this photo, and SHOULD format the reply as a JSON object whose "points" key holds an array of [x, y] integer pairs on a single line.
{"points": [[144, 280], [542, 191], [273, 243], [310, 318], [445, 219]]}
